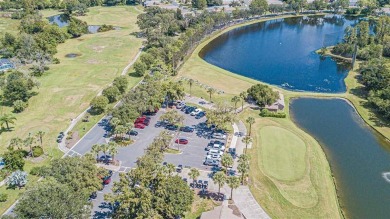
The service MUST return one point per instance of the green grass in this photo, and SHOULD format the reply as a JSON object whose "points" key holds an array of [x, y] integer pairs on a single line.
{"points": [[199, 206], [172, 151], [67, 88], [283, 154], [306, 192], [8, 25]]}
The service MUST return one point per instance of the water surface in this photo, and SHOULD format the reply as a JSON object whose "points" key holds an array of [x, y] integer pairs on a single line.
{"points": [[62, 21], [357, 155], [282, 52]]}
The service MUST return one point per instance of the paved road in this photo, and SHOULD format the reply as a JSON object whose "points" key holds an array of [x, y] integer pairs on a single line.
{"points": [[101, 209]]}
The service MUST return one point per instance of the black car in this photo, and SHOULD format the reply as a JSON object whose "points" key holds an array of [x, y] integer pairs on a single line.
{"points": [[93, 196], [187, 129], [171, 127], [179, 168], [200, 115], [189, 110], [133, 133]]}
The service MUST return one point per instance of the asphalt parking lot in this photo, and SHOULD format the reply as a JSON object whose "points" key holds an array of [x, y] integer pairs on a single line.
{"points": [[194, 153]]}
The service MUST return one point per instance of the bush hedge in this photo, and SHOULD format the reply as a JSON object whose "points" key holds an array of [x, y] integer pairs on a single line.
{"points": [[3, 197], [37, 151], [267, 113]]}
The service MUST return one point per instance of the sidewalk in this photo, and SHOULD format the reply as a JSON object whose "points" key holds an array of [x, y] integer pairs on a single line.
{"points": [[247, 204], [242, 196]]}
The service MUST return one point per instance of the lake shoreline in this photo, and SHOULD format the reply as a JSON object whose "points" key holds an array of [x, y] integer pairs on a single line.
{"points": [[197, 61]]}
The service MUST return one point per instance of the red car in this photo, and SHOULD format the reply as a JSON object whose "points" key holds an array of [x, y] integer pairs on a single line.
{"points": [[139, 126], [181, 141]]}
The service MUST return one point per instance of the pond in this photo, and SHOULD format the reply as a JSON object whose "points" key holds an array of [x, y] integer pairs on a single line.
{"points": [[359, 158], [62, 21], [282, 52]]}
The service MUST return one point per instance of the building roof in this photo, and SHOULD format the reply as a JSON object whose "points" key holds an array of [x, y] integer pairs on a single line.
{"points": [[278, 105]]}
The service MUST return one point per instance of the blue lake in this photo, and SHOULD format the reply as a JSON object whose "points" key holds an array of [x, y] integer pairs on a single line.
{"points": [[358, 156], [282, 52]]}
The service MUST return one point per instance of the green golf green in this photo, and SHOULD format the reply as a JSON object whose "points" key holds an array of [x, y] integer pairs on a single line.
{"points": [[283, 153]]}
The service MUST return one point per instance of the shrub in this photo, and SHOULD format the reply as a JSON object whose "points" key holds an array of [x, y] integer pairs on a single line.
{"points": [[267, 113], [37, 171], [105, 28], [20, 106], [352, 11], [98, 105], [37, 151], [3, 197], [112, 93]]}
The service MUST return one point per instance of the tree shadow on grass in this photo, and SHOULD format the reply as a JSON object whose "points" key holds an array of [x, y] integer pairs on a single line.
{"points": [[134, 74]]}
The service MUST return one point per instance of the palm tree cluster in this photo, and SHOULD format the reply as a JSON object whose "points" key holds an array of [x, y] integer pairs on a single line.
{"points": [[29, 142], [221, 116], [111, 148], [243, 166]]}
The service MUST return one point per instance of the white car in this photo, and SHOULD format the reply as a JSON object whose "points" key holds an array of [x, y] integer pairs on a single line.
{"points": [[214, 157], [219, 136], [196, 111], [214, 151]]}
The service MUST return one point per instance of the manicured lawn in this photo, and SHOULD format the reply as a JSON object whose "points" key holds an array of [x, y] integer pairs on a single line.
{"points": [[283, 153], [67, 88], [290, 177]]}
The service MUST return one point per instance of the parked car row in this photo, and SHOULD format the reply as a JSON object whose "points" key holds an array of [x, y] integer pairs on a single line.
{"points": [[215, 149], [192, 110]]}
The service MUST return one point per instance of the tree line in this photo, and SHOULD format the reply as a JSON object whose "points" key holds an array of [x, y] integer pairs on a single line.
{"points": [[372, 48]]}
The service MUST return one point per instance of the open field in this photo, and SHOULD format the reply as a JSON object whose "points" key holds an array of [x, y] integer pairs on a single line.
{"points": [[296, 182], [67, 88]]}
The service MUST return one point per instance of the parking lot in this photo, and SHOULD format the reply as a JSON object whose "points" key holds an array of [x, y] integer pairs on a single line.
{"points": [[192, 154]]}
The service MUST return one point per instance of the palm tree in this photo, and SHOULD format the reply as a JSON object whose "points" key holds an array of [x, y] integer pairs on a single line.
{"points": [[113, 149], [28, 143], [114, 122], [227, 161], [194, 174], [129, 126], [243, 166], [210, 91], [243, 96], [15, 142], [220, 179], [247, 140], [40, 135], [235, 100], [191, 82], [250, 120], [233, 182], [121, 130], [171, 168], [96, 148], [7, 119]]}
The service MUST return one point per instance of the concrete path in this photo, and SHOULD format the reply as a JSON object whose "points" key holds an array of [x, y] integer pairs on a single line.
{"points": [[247, 204], [242, 196]]}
